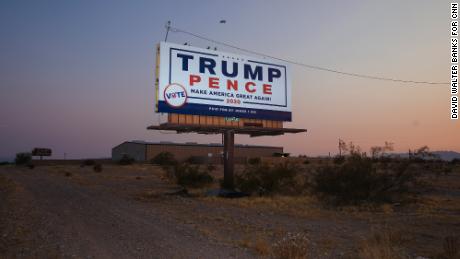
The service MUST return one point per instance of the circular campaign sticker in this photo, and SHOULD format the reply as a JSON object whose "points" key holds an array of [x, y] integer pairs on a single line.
{"points": [[175, 95]]}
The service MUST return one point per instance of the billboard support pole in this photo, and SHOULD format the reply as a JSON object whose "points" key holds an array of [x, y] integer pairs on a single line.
{"points": [[229, 148]]}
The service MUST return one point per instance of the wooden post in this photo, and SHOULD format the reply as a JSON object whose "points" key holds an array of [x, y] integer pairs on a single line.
{"points": [[229, 147]]}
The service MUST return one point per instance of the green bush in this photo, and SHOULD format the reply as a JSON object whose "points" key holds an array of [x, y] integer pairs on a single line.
{"points": [[190, 176], [164, 158], [23, 158], [126, 160], [357, 180], [254, 160], [266, 180], [97, 168]]}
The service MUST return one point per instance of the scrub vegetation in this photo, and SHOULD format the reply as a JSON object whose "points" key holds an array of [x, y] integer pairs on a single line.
{"points": [[126, 160], [187, 175], [352, 178], [164, 159], [365, 206], [263, 179], [359, 180], [23, 158]]}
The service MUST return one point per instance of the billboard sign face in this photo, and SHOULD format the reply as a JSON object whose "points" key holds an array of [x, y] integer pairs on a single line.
{"points": [[206, 82], [41, 152]]}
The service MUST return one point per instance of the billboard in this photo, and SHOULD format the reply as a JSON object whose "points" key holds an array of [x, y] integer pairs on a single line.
{"points": [[41, 152], [199, 81]]}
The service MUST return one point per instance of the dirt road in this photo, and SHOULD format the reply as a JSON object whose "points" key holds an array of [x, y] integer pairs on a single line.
{"points": [[64, 218]]}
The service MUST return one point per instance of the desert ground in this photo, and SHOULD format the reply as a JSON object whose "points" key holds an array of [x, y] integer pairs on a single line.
{"points": [[134, 211]]}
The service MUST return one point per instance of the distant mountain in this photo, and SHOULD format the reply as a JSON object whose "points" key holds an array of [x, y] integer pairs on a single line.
{"points": [[447, 155], [443, 155]]}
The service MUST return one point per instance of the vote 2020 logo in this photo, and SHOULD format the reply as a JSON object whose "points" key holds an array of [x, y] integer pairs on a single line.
{"points": [[175, 95]]}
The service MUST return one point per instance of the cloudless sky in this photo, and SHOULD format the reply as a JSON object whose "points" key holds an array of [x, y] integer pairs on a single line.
{"points": [[77, 76]]}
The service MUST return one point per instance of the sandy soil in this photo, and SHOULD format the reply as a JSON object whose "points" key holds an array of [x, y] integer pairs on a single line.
{"points": [[127, 212]]}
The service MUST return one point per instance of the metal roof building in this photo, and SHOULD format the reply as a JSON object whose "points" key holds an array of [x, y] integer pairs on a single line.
{"points": [[145, 151]]}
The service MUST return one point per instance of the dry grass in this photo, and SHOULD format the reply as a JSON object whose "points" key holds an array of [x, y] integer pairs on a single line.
{"points": [[147, 195], [431, 205], [292, 246], [451, 247], [387, 208], [384, 243], [298, 206], [259, 245], [262, 247]]}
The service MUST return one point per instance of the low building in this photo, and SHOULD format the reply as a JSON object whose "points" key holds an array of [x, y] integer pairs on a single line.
{"points": [[145, 151]]}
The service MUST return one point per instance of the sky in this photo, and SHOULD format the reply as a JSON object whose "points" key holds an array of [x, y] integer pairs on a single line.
{"points": [[78, 76]]}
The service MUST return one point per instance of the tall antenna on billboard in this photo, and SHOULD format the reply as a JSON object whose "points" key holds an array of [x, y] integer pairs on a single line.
{"points": [[168, 27]]}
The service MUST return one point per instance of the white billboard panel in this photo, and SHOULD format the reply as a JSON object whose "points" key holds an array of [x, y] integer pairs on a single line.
{"points": [[206, 82]]}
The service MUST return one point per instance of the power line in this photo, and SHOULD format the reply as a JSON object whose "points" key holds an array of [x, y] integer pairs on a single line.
{"points": [[177, 30]]}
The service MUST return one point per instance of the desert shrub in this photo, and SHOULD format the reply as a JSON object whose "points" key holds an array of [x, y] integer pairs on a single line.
{"points": [[262, 247], [357, 180], [338, 160], [211, 167], [126, 160], [451, 246], [254, 160], [293, 245], [384, 243], [265, 179], [190, 176], [31, 166], [448, 169], [164, 158], [384, 159], [306, 162], [97, 168], [4, 163], [196, 160], [88, 162], [455, 161], [23, 158]]}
